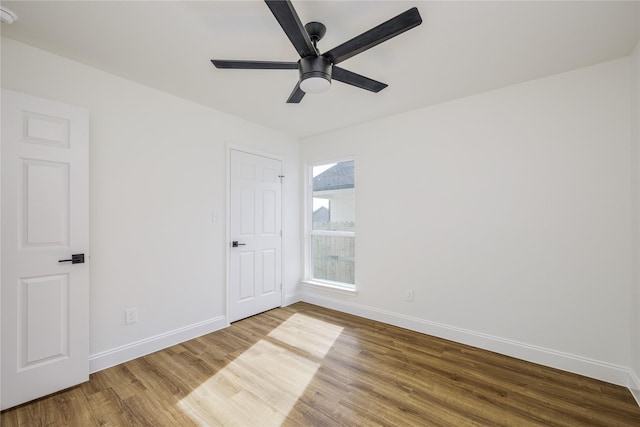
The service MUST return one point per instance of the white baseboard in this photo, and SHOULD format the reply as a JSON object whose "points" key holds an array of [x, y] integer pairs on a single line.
{"points": [[113, 357], [634, 386], [292, 299], [567, 362]]}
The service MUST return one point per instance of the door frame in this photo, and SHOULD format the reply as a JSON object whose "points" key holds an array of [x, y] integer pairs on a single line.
{"points": [[227, 243]]}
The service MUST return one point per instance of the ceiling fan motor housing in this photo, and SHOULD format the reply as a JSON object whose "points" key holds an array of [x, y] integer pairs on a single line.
{"points": [[314, 66]]}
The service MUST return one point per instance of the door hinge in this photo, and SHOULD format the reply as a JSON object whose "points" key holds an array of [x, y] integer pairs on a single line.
{"points": [[280, 176]]}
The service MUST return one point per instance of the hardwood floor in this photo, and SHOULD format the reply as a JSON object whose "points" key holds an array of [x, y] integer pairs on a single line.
{"points": [[308, 366]]}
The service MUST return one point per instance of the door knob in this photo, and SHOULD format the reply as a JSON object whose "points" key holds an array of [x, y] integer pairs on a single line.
{"points": [[75, 259], [235, 244]]}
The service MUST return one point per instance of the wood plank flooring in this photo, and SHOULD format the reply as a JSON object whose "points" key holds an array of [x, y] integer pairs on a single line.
{"points": [[304, 365]]}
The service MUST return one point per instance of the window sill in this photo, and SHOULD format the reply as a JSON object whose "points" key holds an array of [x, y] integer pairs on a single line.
{"points": [[346, 290]]}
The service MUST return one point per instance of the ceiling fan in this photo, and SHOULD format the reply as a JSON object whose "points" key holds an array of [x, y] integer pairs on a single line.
{"points": [[316, 69]]}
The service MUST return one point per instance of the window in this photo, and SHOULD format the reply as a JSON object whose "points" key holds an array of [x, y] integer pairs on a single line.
{"points": [[332, 233]]}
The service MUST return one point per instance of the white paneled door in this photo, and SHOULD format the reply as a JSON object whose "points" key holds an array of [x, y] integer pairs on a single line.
{"points": [[255, 266], [45, 235]]}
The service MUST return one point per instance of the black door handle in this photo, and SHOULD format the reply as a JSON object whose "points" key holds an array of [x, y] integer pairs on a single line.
{"points": [[75, 259], [235, 244]]}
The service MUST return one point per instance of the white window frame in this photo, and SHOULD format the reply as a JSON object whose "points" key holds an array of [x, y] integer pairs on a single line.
{"points": [[310, 281]]}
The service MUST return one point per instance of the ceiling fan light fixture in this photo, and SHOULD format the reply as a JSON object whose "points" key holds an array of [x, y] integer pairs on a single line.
{"points": [[315, 74], [315, 85], [7, 16]]}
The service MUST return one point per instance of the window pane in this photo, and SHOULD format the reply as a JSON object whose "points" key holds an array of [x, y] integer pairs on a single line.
{"points": [[333, 258], [333, 197]]}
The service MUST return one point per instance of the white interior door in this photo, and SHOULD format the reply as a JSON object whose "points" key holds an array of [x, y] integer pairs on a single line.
{"points": [[255, 264], [45, 219]]}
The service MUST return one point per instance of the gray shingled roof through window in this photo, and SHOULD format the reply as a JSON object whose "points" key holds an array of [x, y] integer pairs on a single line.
{"points": [[337, 177]]}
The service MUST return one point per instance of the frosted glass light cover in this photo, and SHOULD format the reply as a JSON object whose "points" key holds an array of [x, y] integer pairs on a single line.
{"points": [[7, 16], [315, 85]]}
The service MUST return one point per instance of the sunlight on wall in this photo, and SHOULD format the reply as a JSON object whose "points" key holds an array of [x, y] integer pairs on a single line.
{"points": [[262, 385]]}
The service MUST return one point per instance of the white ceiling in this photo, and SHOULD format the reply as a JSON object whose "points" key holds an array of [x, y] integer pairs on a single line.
{"points": [[461, 48]]}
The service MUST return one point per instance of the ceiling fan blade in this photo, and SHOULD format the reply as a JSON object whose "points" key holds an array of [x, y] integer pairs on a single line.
{"points": [[383, 32], [353, 79], [255, 65], [290, 22], [296, 96]]}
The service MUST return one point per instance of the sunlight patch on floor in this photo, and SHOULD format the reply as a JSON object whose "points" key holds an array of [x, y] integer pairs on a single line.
{"points": [[262, 385], [308, 334]]}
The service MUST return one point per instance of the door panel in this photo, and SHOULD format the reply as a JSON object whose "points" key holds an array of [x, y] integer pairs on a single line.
{"points": [[268, 219], [255, 265], [45, 218], [268, 271], [247, 210], [45, 129], [43, 320], [247, 276], [45, 208]]}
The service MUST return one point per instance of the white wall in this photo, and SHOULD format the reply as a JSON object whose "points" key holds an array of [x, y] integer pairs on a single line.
{"points": [[635, 164], [509, 215], [158, 171]]}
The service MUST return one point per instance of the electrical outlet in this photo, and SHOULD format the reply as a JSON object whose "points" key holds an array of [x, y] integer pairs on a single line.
{"points": [[131, 315], [410, 295]]}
